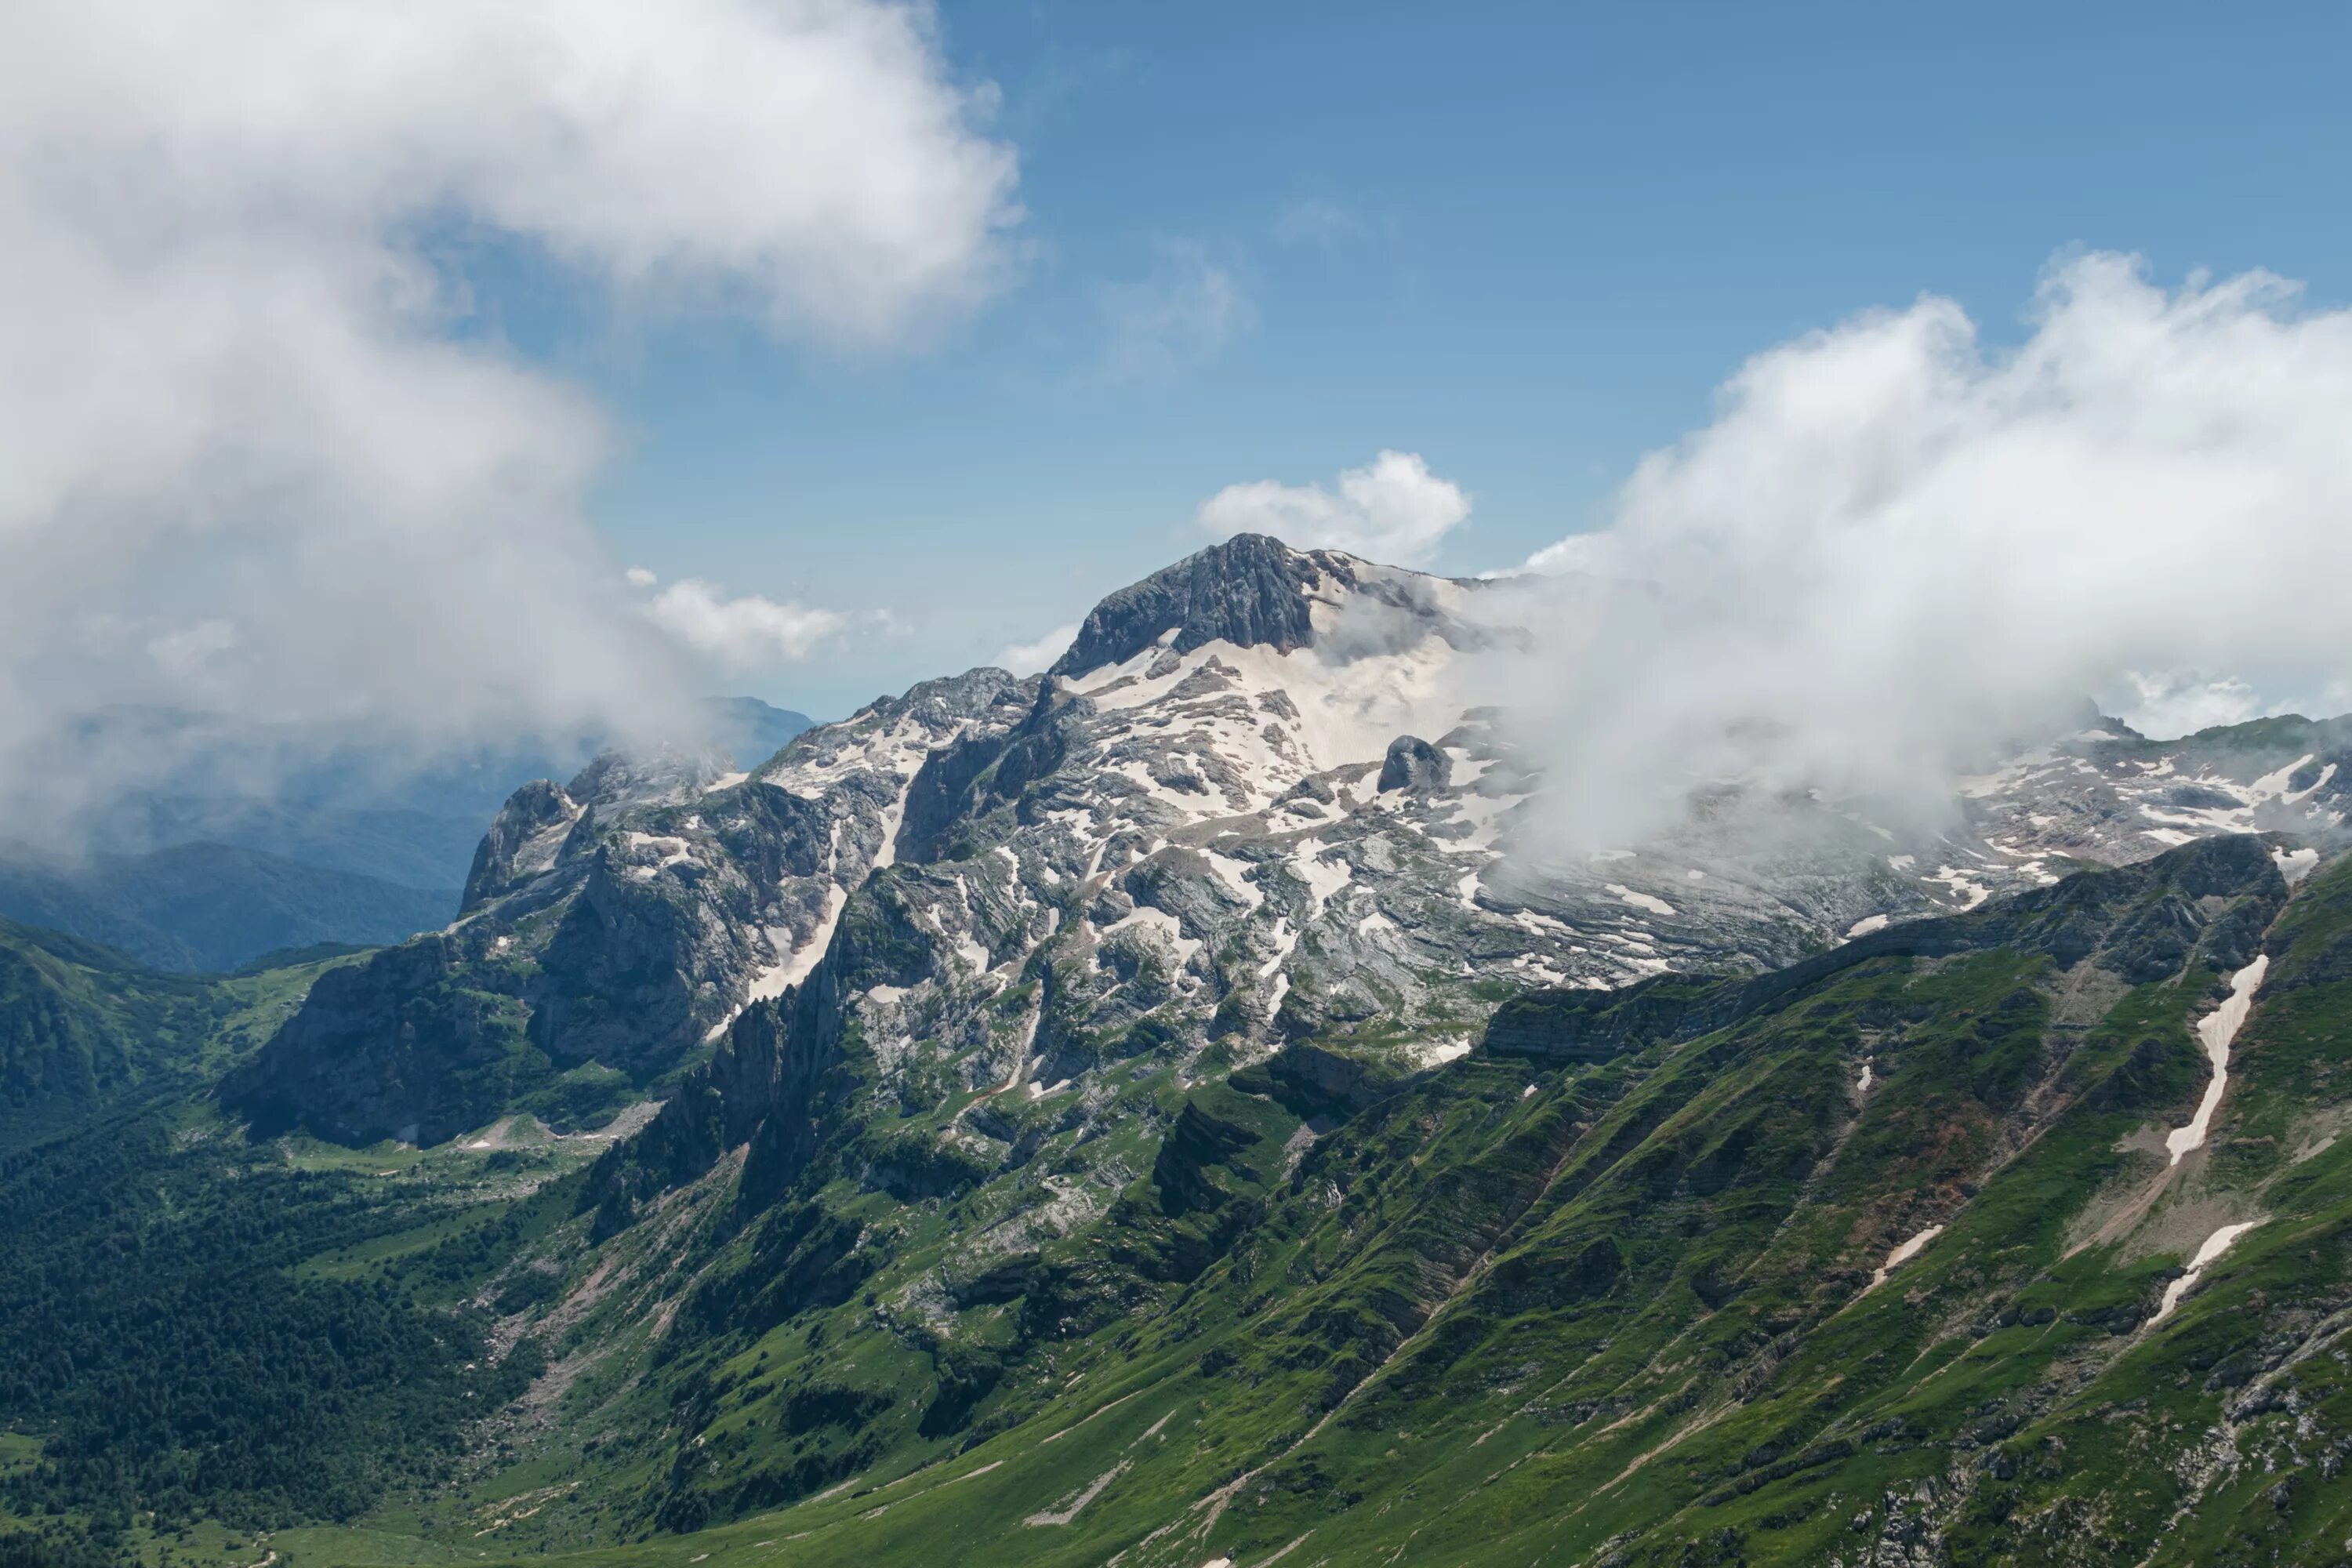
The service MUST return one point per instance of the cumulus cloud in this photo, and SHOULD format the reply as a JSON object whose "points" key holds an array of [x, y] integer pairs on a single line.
{"points": [[1896, 545], [1176, 318], [1031, 657], [1393, 509], [747, 633], [253, 455]]}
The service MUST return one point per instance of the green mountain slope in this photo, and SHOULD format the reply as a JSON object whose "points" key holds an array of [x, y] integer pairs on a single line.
{"points": [[83, 1027], [1604, 1292], [163, 1344], [1881, 1258]]}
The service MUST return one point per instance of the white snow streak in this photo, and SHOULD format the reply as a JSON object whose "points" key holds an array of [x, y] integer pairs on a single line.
{"points": [[796, 964], [1905, 1253], [2217, 1029], [1324, 875], [2215, 1245], [1656, 906]]}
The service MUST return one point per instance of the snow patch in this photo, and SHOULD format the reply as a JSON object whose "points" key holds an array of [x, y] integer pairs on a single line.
{"points": [[1324, 876], [795, 965], [1642, 901], [666, 852], [1285, 941], [1427, 1054], [1970, 892], [2217, 1029], [1864, 926], [1230, 872], [2215, 1245], [1166, 924], [1905, 1253]]}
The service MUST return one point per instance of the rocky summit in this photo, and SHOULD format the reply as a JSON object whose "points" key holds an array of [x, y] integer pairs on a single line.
{"points": [[1217, 817], [1211, 1104]]}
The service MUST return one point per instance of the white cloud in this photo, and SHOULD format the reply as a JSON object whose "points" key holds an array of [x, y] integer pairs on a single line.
{"points": [[1394, 510], [749, 633], [640, 577], [1894, 545], [236, 384], [1030, 658], [2170, 704], [1175, 320]]}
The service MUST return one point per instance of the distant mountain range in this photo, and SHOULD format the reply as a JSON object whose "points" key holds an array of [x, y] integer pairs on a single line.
{"points": [[284, 839], [213, 907]]}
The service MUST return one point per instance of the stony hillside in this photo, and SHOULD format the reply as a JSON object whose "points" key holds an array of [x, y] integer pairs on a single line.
{"points": [[1937, 1248], [1189, 1105], [1258, 801]]}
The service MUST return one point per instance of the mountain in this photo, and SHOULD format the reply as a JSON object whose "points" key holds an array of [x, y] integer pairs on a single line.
{"points": [[291, 838], [334, 798], [1883, 1257], [1249, 806], [211, 907], [1188, 1107], [83, 1027]]}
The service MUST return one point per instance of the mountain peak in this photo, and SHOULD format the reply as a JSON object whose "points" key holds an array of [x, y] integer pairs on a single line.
{"points": [[1254, 590], [1251, 589]]}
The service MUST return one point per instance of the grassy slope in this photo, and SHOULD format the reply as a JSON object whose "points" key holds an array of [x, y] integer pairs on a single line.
{"points": [[201, 1336], [1624, 1317], [219, 1329], [83, 1027], [1503, 1313]]}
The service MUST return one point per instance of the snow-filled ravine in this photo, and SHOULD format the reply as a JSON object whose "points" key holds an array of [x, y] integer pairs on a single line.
{"points": [[2217, 1029]]}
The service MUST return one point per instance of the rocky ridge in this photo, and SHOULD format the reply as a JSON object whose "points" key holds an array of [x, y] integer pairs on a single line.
{"points": [[1208, 1044], [1257, 802]]}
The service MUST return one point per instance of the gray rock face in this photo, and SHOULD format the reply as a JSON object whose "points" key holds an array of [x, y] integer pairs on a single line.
{"points": [[523, 839], [400, 1046], [1249, 591], [1412, 764], [1216, 837], [2210, 899]]}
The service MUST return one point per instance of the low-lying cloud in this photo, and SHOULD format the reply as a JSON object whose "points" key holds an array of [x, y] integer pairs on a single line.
{"points": [[1037, 657], [255, 455], [1897, 546], [746, 632], [1392, 510]]}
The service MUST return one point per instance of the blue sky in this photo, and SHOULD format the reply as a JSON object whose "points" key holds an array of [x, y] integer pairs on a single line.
{"points": [[1527, 243]]}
